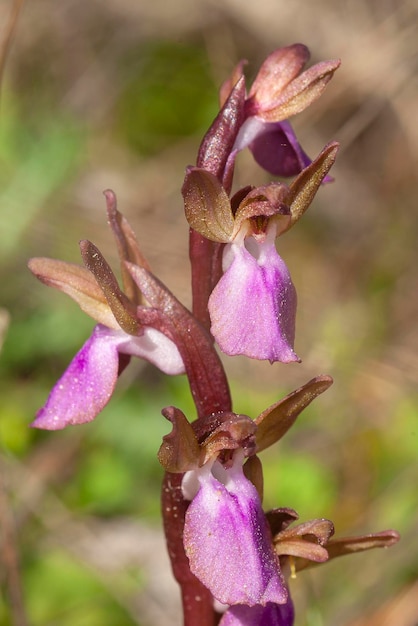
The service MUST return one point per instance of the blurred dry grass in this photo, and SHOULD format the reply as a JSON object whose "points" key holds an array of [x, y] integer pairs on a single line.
{"points": [[353, 259]]}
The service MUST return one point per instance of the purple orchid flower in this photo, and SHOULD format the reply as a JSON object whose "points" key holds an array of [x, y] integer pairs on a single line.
{"points": [[252, 306], [88, 383], [278, 92], [226, 537]]}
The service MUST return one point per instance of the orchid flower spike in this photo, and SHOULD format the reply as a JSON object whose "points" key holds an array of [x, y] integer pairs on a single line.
{"points": [[253, 306], [89, 381], [279, 91]]}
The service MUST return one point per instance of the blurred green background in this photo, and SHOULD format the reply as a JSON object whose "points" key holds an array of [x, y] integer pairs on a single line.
{"points": [[117, 95]]}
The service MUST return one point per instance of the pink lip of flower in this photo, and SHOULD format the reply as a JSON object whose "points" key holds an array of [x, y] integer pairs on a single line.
{"points": [[89, 381], [253, 306], [226, 538]]}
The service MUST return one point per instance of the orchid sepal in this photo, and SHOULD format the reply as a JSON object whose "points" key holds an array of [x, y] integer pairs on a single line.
{"points": [[274, 422], [207, 206], [122, 308], [276, 105], [302, 190], [127, 245]]}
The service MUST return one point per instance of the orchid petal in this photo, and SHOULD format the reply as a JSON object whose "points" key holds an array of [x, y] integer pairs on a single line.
{"points": [[86, 386], [88, 383], [274, 146], [227, 540], [253, 306]]}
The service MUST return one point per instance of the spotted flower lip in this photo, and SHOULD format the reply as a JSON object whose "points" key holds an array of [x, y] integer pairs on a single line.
{"points": [[226, 538], [89, 381]]}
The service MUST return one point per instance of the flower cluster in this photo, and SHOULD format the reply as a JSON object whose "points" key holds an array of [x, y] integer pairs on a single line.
{"points": [[231, 559], [253, 306]]}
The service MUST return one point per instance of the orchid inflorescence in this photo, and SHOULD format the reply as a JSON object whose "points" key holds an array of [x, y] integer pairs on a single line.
{"points": [[231, 559]]}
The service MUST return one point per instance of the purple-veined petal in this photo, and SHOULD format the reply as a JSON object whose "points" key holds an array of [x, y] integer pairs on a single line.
{"points": [[274, 146], [269, 615], [227, 541], [253, 306], [89, 381]]}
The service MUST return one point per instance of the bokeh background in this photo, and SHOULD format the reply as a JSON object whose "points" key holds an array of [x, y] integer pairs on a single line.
{"points": [[117, 94]]}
